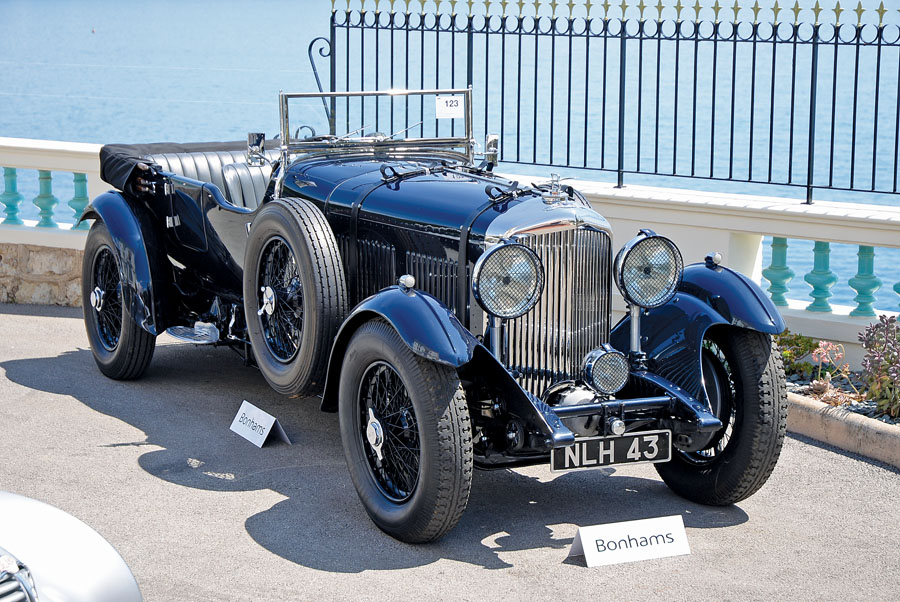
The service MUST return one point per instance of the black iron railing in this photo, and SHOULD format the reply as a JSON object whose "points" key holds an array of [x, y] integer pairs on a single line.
{"points": [[666, 91]]}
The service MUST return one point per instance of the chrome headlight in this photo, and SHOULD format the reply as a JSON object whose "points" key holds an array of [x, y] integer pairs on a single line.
{"points": [[648, 270], [508, 280], [606, 369]]}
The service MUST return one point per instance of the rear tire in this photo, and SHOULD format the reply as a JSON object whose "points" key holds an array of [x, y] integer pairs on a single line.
{"points": [[745, 386], [418, 406], [294, 276], [121, 348]]}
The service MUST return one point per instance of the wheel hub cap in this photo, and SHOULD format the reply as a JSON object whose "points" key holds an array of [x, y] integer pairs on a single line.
{"points": [[97, 298], [267, 304], [375, 434]]}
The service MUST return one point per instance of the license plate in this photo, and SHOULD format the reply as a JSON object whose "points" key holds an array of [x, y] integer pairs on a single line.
{"points": [[644, 447]]}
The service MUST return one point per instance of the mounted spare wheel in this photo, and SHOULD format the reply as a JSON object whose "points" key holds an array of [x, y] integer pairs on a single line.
{"points": [[295, 296]]}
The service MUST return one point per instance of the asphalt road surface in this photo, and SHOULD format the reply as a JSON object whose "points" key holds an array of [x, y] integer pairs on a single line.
{"points": [[201, 514]]}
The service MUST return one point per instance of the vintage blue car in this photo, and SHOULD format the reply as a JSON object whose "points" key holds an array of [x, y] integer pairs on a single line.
{"points": [[454, 319]]}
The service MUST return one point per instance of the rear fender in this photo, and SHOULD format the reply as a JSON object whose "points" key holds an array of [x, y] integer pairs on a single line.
{"points": [[138, 250], [672, 335]]}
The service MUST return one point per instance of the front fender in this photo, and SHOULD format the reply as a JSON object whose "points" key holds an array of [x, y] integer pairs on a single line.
{"points": [[136, 246], [427, 327], [733, 296], [672, 335]]}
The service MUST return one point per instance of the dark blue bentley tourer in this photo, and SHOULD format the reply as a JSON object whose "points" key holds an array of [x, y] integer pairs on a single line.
{"points": [[454, 319]]}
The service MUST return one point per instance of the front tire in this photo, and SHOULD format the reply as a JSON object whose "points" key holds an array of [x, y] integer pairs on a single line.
{"points": [[745, 387], [406, 434], [121, 348]]}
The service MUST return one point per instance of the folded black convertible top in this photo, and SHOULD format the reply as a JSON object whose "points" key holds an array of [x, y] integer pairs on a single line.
{"points": [[118, 161]]}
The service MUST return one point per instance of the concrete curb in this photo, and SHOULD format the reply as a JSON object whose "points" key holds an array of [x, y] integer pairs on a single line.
{"points": [[843, 429]]}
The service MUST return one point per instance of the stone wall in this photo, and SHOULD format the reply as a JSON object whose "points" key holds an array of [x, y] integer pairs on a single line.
{"points": [[40, 275]]}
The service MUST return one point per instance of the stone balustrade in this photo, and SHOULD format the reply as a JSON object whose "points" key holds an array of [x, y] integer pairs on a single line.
{"points": [[40, 258]]}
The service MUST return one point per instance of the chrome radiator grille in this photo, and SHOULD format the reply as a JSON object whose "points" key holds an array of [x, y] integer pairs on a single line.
{"points": [[548, 344]]}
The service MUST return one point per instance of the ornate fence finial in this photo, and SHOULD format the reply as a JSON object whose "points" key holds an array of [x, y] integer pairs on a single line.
{"points": [[571, 5], [469, 4], [881, 10], [553, 6], [422, 2], [678, 8], [348, 6], [775, 10], [362, 6], [659, 9], [716, 8], [407, 6], [332, 5], [453, 7], [537, 8], [796, 10], [487, 7], [837, 13], [860, 11], [755, 10], [817, 9], [697, 9], [736, 9], [587, 7], [624, 7], [503, 6], [392, 5], [521, 5], [641, 8], [376, 5]]}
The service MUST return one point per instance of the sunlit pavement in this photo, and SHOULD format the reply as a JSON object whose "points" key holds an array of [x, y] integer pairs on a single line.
{"points": [[201, 514]]}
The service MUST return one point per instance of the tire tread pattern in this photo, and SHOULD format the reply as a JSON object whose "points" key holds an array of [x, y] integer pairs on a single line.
{"points": [[741, 471]]}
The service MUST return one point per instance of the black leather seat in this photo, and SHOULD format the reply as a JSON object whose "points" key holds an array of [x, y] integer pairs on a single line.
{"points": [[242, 185]]}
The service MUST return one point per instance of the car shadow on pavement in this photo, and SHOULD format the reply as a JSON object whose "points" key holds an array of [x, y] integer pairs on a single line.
{"points": [[186, 401]]}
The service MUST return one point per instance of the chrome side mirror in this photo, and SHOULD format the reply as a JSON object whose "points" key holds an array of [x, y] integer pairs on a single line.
{"points": [[256, 146], [492, 149]]}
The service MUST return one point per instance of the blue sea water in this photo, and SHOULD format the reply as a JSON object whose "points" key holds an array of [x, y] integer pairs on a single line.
{"points": [[110, 71]]}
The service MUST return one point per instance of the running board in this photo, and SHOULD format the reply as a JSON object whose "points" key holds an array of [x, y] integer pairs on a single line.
{"points": [[201, 334]]}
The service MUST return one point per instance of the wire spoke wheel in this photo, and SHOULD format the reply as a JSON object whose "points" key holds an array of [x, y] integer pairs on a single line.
{"points": [[279, 285], [406, 433], [121, 344], [394, 458], [106, 298], [719, 387]]}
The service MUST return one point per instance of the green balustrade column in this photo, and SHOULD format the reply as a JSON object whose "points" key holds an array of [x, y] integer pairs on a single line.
{"points": [[80, 200], [45, 201], [821, 278], [778, 273], [11, 197], [865, 283]]}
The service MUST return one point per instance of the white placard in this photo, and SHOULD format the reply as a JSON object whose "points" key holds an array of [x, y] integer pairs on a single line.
{"points": [[255, 425], [630, 541], [449, 107]]}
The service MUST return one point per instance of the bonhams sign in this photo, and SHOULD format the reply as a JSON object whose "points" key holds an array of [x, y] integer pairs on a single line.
{"points": [[630, 541]]}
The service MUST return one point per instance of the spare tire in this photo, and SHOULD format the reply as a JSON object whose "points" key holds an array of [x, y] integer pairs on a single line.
{"points": [[295, 294]]}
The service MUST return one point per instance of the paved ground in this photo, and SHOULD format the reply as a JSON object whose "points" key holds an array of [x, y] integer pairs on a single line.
{"points": [[200, 514]]}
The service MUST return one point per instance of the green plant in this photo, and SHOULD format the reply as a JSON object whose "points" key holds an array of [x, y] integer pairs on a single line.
{"points": [[881, 365], [794, 348]]}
